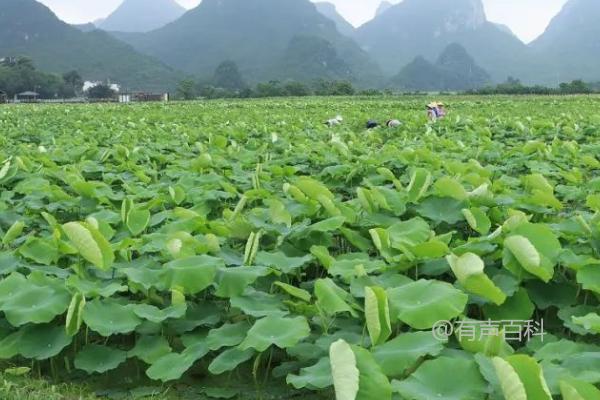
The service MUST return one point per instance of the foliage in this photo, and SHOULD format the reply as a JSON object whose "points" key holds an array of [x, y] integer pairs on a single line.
{"points": [[514, 86], [235, 247], [19, 75], [228, 76], [101, 91], [186, 90]]}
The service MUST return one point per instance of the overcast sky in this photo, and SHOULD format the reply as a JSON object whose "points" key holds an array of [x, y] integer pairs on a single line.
{"points": [[527, 18]]}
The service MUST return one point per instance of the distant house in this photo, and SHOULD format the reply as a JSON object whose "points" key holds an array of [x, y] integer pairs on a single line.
{"points": [[28, 97], [87, 85], [3, 97], [151, 97]]}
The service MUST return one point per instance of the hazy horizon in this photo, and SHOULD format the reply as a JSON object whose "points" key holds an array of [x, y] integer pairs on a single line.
{"points": [[526, 18]]}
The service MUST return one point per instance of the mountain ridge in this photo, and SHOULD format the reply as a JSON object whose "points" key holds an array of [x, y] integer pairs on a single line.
{"points": [[142, 15]]}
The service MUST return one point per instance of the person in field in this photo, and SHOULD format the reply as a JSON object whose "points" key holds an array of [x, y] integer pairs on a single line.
{"points": [[393, 123], [441, 110], [432, 112]]}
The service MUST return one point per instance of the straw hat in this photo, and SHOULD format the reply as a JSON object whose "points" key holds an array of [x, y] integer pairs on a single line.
{"points": [[432, 105]]}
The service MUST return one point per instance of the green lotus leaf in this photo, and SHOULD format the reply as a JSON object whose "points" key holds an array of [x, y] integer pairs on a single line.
{"points": [[229, 360], [95, 288], [572, 389], [148, 277], [294, 291], [108, 317], [485, 337], [137, 220], [193, 274], [398, 355], [344, 370], [377, 314], [42, 251], [233, 282], [95, 358], [13, 233], [423, 303], [313, 188], [34, 304], [155, 314], [11, 285], [590, 322], [420, 181], [173, 365], [584, 366], [477, 220], [228, 335], [373, 384], [557, 294], [444, 378], [331, 298], [75, 314], [150, 349], [536, 249], [510, 382], [409, 233], [469, 270], [562, 349], [41, 342], [531, 375], [449, 187], [281, 262], [9, 345], [516, 308], [90, 243], [568, 313], [278, 331], [259, 304], [328, 225], [442, 209], [589, 278], [314, 377]]}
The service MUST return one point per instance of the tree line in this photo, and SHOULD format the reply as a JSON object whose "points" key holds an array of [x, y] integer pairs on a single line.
{"points": [[228, 82], [514, 86], [19, 75]]}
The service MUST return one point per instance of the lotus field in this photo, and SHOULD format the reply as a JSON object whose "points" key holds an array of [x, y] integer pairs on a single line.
{"points": [[243, 249]]}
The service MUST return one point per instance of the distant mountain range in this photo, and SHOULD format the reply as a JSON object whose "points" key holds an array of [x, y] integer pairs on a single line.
{"points": [[28, 28], [142, 15], [299, 40], [570, 46], [330, 11], [425, 27], [454, 70], [261, 36]]}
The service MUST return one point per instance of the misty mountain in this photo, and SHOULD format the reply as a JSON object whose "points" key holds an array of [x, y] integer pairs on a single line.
{"points": [[570, 46], [142, 15], [454, 70], [257, 35], [28, 28], [85, 27], [426, 27], [383, 7], [330, 11]]}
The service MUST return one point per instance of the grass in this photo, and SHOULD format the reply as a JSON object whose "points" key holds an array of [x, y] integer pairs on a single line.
{"points": [[26, 388]]}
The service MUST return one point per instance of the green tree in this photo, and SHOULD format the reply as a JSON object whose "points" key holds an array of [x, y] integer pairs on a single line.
{"points": [[73, 80], [296, 89], [186, 89], [228, 76], [101, 91]]}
